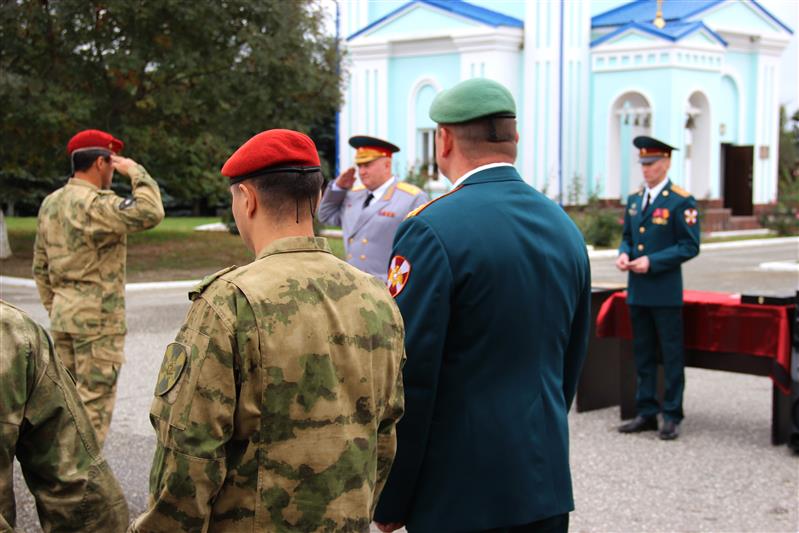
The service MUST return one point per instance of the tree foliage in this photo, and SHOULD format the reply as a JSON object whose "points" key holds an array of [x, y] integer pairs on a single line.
{"points": [[182, 83]]}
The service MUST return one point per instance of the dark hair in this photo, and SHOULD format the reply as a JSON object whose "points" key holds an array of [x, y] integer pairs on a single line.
{"points": [[486, 136], [288, 193], [83, 159]]}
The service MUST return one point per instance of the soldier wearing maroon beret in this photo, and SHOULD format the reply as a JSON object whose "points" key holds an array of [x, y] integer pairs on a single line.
{"points": [[79, 264], [275, 406]]}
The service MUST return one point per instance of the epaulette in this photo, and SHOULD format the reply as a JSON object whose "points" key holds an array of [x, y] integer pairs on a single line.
{"points": [[358, 188], [206, 281], [411, 189], [676, 189], [431, 202]]}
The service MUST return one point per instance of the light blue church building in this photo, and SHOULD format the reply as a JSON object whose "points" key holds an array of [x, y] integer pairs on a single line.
{"points": [[587, 77]]}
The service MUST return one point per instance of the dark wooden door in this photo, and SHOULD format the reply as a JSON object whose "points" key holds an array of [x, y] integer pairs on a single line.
{"points": [[738, 164]]}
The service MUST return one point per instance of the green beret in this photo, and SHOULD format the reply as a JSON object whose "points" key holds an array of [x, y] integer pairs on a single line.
{"points": [[472, 99]]}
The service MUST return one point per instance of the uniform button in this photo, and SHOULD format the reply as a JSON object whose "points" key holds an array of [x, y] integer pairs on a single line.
{"points": [[363, 257], [365, 241], [351, 239], [665, 193], [641, 229], [349, 256], [640, 247]]}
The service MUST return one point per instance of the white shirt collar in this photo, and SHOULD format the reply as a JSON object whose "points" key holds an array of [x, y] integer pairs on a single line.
{"points": [[380, 191], [653, 192], [476, 170]]}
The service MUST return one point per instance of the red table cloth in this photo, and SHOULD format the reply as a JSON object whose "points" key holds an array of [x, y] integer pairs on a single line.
{"points": [[717, 322]]}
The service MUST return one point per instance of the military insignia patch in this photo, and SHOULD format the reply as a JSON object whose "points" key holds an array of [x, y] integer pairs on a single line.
{"points": [[399, 270], [690, 216], [171, 368], [127, 202]]}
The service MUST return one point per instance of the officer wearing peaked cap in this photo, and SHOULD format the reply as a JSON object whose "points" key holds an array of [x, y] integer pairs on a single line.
{"points": [[79, 264], [661, 231], [369, 213], [494, 352], [271, 412]]}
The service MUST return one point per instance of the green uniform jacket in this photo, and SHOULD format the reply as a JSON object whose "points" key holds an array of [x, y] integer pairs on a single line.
{"points": [[43, 423], [80, 250], [669, 234], [276, 405], [497, 309]]}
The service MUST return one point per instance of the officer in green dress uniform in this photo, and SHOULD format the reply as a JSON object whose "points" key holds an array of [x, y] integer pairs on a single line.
{"points": [[494, 285], [661, 232]]}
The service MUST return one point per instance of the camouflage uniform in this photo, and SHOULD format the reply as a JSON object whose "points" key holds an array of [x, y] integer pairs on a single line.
{"points": [[79, 267], [276, 405], [43, 423]]}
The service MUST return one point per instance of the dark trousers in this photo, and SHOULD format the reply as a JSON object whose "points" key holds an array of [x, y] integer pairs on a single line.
{"points": [[553, 524], [653, 327]]}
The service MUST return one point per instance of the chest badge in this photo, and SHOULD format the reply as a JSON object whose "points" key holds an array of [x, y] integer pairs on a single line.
{"points": [[633, 210], [399, 271], [660, 216]]}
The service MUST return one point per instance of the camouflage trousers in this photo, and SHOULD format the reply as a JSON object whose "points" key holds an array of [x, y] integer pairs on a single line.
{"points": [[94, 361]]}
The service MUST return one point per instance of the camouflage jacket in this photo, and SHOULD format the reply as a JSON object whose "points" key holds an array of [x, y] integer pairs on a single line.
{"points": [[276, 405], [80, 249], [43, 423]]}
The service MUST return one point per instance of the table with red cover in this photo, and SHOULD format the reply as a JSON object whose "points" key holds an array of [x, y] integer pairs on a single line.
{"points": [[718, 322]]}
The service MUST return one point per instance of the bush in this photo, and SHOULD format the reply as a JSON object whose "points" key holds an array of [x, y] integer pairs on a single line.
{"points": [[784, 216]]}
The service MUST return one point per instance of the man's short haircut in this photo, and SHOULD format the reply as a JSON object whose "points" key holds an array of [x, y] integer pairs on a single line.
{"points": [[82, 160], [288, 193], [486, 136]]}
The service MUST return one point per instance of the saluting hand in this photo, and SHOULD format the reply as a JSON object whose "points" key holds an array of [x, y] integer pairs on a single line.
{"points": [[623, 262], [123, 165], [640, 265], [346, 179]]}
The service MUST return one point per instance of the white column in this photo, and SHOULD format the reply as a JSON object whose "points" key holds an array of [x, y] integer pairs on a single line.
{"points": [[766, 130]]}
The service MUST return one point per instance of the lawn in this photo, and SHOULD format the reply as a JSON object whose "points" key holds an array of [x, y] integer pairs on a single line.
{"points": [[171, 251]]}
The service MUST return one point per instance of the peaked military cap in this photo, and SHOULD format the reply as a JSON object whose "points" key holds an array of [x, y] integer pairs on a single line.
{"points": [[371, 148], [272, 151], [94, 140], [651, 149], [472, 99]]}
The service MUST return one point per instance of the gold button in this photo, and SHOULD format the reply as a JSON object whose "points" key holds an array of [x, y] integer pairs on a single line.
{"points": [[640, 247], [350, 241], [349, 256], [641, 229], [665, 193], [365, 241], [363, 257]]}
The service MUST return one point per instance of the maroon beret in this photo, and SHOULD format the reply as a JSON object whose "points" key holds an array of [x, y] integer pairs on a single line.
{"points": [[272, 151], [94, 139]]}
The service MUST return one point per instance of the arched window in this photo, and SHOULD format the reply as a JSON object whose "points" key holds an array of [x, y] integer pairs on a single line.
{"points": [[631, 116]]}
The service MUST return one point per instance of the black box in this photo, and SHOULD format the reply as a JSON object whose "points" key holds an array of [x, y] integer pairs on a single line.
{"points": [[770, 299]]}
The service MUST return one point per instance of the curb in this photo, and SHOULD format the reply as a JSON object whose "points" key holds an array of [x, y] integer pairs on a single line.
{"points": [[592, 254]]}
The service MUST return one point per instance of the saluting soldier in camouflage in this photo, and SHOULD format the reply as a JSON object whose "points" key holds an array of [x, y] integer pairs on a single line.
{"points": [[79, 265], [275, 407], [43, 424]]}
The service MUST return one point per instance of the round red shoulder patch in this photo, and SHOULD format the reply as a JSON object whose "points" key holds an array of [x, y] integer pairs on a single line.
{"points": [[399, 270]]}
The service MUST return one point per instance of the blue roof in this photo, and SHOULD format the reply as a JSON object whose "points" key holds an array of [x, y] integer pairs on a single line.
{"points": [[672, 32], [673, 11], [456, 7]]}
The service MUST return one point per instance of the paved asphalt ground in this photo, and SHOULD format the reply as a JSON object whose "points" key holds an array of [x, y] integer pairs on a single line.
{"points": [[722, 474]]}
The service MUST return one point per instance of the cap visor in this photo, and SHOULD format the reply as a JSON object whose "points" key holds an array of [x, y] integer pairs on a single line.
{"points": [[650, 159]]}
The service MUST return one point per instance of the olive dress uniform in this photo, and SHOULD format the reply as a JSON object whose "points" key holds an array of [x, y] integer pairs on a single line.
{"points": [[668, 233]]}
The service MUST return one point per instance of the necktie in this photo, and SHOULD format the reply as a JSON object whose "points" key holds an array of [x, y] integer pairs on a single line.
{"points": [[368, 200], [646, 202]]}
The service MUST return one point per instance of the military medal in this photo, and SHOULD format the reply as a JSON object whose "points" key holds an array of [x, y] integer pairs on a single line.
{"points": [[399, 270]]}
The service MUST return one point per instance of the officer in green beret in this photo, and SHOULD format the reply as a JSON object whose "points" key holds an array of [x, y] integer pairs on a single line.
{"points": [[661, 232], [494, 285]]}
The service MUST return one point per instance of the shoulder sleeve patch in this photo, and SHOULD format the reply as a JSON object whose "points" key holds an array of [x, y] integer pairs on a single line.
{"points": [[409, 188], [676, 189], [208, 280], [171, 368]]}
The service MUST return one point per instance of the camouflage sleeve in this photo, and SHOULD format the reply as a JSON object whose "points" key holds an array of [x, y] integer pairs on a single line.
{"points": [[145, 210], [193, 416], [41, 271], [74, 488], [386, 430]]}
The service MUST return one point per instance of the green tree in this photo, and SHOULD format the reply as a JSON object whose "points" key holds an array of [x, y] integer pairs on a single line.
{"points": [[182, 83]]}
